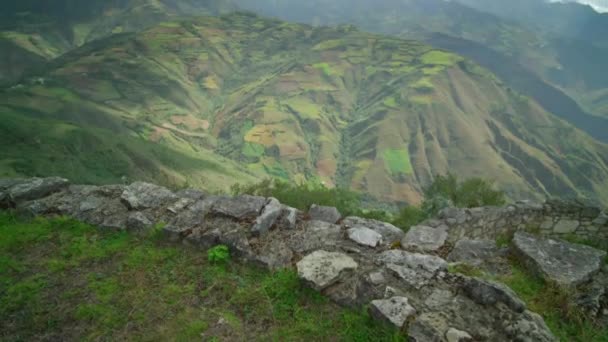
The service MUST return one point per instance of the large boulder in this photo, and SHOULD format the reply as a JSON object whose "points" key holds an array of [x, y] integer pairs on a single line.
{"points": [[390, 234], [325, 214], [241, 207], [424, 239], [322, 269], [141, 196], [395, 310], [564, 263], [17, 191]]}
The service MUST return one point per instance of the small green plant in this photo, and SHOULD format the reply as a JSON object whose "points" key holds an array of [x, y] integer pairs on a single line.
{"points": [[219, 254]]}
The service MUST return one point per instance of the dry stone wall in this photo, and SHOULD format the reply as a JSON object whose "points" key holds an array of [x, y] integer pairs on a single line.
{"points": [[554, 218], [353, 261]]}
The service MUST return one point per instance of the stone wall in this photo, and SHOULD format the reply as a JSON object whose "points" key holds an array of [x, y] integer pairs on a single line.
{"points": [[554, 218], [402, 279]]}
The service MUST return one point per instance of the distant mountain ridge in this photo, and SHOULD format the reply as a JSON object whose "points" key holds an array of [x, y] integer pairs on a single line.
{"points": [[210, 100]]}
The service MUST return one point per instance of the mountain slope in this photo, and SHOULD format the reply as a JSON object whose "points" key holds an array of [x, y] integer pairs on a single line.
{"points": [[570, 66], [378, 114], [46, 30]]}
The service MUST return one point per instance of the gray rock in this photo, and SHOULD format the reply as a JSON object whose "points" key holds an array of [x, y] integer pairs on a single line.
{"points": [[489, 293], [455, 335], [267, 219], [429, 263], [439, 299], [377, 278], [322, 269], [390, 234], [424, 239], [428, 327], [90, 203], [141, 196], [137, 221], [289, 217], [395, 310], [529, 327], [364, 236], [240, 208], [315, 235], [179, 205], [473, 252], [34, 188], [325, 214], [192, 194], [562, 262], [275, 255], [566, 226], [416, 278]]}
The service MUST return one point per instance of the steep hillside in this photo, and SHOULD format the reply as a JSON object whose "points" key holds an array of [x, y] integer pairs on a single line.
{"points": [[567, 65], [381, 115], [33, 32]]}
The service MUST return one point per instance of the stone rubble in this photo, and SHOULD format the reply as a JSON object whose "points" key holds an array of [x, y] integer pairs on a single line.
{"points": [[354, 261]]}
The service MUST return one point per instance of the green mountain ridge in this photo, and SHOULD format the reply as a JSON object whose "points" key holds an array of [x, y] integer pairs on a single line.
{"points": [[376, 114]]}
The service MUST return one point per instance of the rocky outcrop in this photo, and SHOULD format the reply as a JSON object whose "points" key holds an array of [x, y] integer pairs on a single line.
{"points": [[564, 263], [355, 262]]}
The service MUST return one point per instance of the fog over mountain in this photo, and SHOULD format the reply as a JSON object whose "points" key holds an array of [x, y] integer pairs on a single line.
{"points": [[598, 5]]}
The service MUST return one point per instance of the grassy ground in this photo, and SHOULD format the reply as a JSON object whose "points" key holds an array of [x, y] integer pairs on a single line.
{"points": [[63, 280]]}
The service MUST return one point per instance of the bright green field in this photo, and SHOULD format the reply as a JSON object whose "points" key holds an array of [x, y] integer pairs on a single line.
{"points": [[397, 161]]}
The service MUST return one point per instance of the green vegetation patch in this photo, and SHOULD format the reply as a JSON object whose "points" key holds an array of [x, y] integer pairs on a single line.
{"points": [[253, 150], [61, 278], [397, 161], [424, 85], [326, 68], [436, 57]]}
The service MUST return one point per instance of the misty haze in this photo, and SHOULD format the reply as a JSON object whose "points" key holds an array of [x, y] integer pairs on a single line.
{"points": [[320, 170]]}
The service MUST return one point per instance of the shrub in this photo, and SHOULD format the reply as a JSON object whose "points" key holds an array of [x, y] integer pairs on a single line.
{"points": [[408, 217], [473, 192], [302, 196], [219, 254]]}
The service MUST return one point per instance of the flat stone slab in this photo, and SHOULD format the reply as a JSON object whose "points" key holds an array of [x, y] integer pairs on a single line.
{"points": [[325, 214], [559, 261], [364, 236], [429, 263], [474, 252], [140, 196], [240, 208], [390, 233], [395, 310], [34, 188], [322, 269], [489, 293], [424, 239]]}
